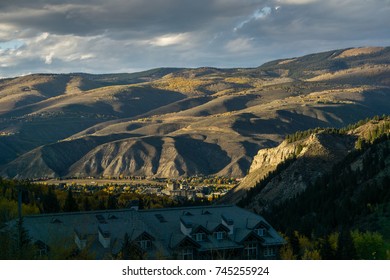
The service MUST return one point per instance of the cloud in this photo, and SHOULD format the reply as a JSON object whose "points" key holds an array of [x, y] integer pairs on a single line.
{"points": [[41, 37], [258, 14], [169, 39], [48, 47], [49, 58], [239, 45], [120, 35], [297, 2]]}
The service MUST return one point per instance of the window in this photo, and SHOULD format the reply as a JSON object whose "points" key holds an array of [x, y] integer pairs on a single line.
{"points": [[186, 254], [145, 244], [199, 236], [260, 231], [42, 252], [269, 251], [219, 235], [251, 251]]}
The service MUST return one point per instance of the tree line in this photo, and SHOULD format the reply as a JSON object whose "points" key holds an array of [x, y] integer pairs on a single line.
{"points": [[342, 214]]}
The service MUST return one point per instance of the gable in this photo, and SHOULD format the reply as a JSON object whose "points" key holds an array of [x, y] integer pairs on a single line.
{"points": [[262, 224], [251, 236], [221, 228], [142, 236], [201, 229], [186, 242]]}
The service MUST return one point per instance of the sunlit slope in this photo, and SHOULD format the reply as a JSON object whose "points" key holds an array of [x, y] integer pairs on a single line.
{"points": [[181, 122]]}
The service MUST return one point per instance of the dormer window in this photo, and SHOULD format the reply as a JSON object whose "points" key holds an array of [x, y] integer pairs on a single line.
{"points": [[220, 235], [199, 236], [145, 244], [260, 231]]}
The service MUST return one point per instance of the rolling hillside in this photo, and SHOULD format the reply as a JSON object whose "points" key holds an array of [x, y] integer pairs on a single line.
{"points": [[171, 122]]}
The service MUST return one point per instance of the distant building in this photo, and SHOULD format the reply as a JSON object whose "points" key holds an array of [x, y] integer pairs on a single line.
{"points": [[172, 186], [205, 232]]}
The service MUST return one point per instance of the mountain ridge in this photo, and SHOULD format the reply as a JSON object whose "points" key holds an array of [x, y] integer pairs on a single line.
{"points": [[227, 113]]}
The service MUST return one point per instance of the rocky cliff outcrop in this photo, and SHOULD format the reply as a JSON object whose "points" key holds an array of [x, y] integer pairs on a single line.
{"points": [[314, 156]]}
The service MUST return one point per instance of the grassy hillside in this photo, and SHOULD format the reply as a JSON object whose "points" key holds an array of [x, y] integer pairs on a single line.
{"points": [[233, 111]]}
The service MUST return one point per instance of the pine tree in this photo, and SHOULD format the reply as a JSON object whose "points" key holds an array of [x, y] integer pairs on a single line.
{"points": [[70, 203], [15, 243], [345, 247], [327, 252], [101, 204], [295, 243], [86, 204], [112, 202], [24, 241], [50, 202]]}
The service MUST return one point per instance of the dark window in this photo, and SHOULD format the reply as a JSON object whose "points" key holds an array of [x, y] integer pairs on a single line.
{"points": [[220, 235], [261, 231], [145, 244], [251, 251], [269, 251], [199, 236], [186, 254]]}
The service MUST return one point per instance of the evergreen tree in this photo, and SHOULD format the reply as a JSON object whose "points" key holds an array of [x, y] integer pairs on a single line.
{"points": [[141, 204], [101, 205], [112, 202], [70, 204], [5, 242], [295, 243], [50, 202], [24, 242], [15, 243], [345, 246], [86, 204], [327, 252]]}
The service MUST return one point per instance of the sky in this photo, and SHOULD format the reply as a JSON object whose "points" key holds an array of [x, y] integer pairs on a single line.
{"points": [[100, 36]]}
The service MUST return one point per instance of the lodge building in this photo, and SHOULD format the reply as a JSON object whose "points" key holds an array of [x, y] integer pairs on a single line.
{"points": [[203, 232]]}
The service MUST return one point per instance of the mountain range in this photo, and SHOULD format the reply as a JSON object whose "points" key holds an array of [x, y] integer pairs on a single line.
{"points": [[172, 122]]}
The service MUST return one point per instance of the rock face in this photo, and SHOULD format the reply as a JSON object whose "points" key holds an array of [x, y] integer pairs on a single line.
{"points": [[154, 156], [264, 162], [314, 156]]}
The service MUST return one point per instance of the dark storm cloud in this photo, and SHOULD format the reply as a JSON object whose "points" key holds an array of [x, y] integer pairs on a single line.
{"points": [[127, 35], [94, 16]]}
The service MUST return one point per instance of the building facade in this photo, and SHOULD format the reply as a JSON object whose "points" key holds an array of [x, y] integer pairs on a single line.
{"points": [[205, 232]]}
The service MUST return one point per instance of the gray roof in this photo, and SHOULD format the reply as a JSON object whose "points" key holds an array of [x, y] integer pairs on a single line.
{"points": [[161, 225], [209, 217]]}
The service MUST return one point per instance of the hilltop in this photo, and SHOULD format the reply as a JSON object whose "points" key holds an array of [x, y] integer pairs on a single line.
{"points": [[172, 122]]}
